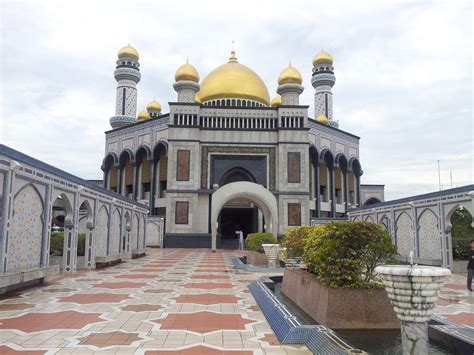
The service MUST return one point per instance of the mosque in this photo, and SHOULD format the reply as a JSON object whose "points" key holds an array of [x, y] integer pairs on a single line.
{"points": [[228, 158]]}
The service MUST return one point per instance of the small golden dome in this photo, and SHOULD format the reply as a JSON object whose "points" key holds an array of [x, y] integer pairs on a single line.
{"points": [[276, 101], [186, 72], [153, 106], [290, 75], [128, 51], [143, 115], [234, 80], [322, 57], [197, 99], [322, 119]]}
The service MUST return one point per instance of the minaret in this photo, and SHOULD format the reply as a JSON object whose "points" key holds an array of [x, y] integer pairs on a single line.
{"points": [[323, 80], [186, 83], [289, 86], [127, 74]]}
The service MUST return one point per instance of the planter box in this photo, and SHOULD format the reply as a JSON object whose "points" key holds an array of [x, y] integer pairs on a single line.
{"points": [[459, 266], [339, 308], [257, 259]]}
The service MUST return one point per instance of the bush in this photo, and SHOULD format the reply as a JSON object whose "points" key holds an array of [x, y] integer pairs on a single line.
{"points": [[254, 241], [81, 244], [56, 244], [294, 239], [345, 254], [461, 247]]}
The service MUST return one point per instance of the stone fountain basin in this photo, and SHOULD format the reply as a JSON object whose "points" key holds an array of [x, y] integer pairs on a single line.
{"points": [[415, 270]]}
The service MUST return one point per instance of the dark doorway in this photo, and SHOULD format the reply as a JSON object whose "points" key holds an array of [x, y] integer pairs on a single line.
{"points": [[234, 219]]}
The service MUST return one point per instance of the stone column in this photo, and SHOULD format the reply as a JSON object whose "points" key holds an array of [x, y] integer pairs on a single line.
{"points": [[345, 183], [152, 187], [69, 247], [317, 190], [332, 194], [89, 254]]}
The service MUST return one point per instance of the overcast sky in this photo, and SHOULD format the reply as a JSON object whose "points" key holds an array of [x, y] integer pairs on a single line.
{"points": [[404, 73]]}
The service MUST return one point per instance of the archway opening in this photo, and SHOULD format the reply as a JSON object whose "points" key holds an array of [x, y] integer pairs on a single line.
{"points": [[462, 232], [238, 215], [84, 244], [61, 216], [255, 197]]}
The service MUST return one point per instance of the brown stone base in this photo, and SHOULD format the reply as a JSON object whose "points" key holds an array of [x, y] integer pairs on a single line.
{"points": [[257, 259], [339, 308]]}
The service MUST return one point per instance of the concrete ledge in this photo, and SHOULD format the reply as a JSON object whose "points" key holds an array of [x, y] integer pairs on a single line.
{"points": [[107, 260], [339, 308], [20, 279], [420, 261], [137, 253], [289, 330]]}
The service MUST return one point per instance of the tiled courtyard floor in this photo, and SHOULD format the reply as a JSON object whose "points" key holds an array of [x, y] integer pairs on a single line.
{"points": [[173, 301], [456, 303]]}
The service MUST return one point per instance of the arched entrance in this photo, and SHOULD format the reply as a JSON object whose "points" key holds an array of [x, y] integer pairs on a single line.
{"points": [[245, 191]]}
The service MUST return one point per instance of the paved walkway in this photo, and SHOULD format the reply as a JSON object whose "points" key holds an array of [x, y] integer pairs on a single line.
{"points": [[456, 303], [173, 301]]}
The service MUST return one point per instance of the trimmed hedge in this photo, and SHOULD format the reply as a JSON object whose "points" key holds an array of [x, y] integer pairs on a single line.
{"points": [[57, 244], [342, 254], [254, 241]]}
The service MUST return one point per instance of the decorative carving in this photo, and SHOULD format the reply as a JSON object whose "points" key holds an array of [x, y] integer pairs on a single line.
{"points": [[181, 212], [294, 167], [182, 166], [237, 150], [294, 214]]}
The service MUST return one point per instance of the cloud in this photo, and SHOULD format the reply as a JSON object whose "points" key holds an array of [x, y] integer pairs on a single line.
{"points": [[403, 69]]}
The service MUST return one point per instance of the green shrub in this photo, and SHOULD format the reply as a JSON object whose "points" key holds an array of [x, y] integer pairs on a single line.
{"points": [[294, 240], [81, 244], [56, 244], [461, 247], [254, 241], [345, 254]]}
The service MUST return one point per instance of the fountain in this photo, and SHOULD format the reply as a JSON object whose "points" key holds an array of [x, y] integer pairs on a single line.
{"points": [[271, 250], [413, 292]]}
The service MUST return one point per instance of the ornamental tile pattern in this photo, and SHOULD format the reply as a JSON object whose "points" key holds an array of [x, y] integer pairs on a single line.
{"points": [[159, 316], [24, 243]]}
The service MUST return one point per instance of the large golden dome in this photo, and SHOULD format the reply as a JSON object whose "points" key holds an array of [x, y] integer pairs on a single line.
{"points": [[143, 115], [128, 51], [234, 80]]}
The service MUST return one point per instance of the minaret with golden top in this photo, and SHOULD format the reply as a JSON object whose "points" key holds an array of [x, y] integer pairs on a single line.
{"points": [[127, 74], [323, 80]]}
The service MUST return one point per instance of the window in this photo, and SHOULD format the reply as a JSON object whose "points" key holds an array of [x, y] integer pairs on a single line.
{"points": [[181, 212]]}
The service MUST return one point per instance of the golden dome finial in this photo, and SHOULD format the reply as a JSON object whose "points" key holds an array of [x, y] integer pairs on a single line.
{"points": [[276, 101], [128, 51], [153, 106], [143, 115], [290, 75], [322, 57], [322, 119], [233, 58], [186, 72]]}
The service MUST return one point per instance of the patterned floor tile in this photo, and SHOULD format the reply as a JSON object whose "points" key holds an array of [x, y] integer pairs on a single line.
{"points": [[34, 322], [207, 298], [94, 298], [203, 322], [102, 340]]}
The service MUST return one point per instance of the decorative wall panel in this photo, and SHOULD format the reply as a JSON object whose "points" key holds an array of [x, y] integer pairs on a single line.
{"points": [[26, 230], [294, 167], [294, 214]]}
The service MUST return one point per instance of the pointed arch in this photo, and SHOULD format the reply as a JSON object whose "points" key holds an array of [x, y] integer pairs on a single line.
{"points": [[404, 234], [102, 231], [26, 230], [429, 237]]}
